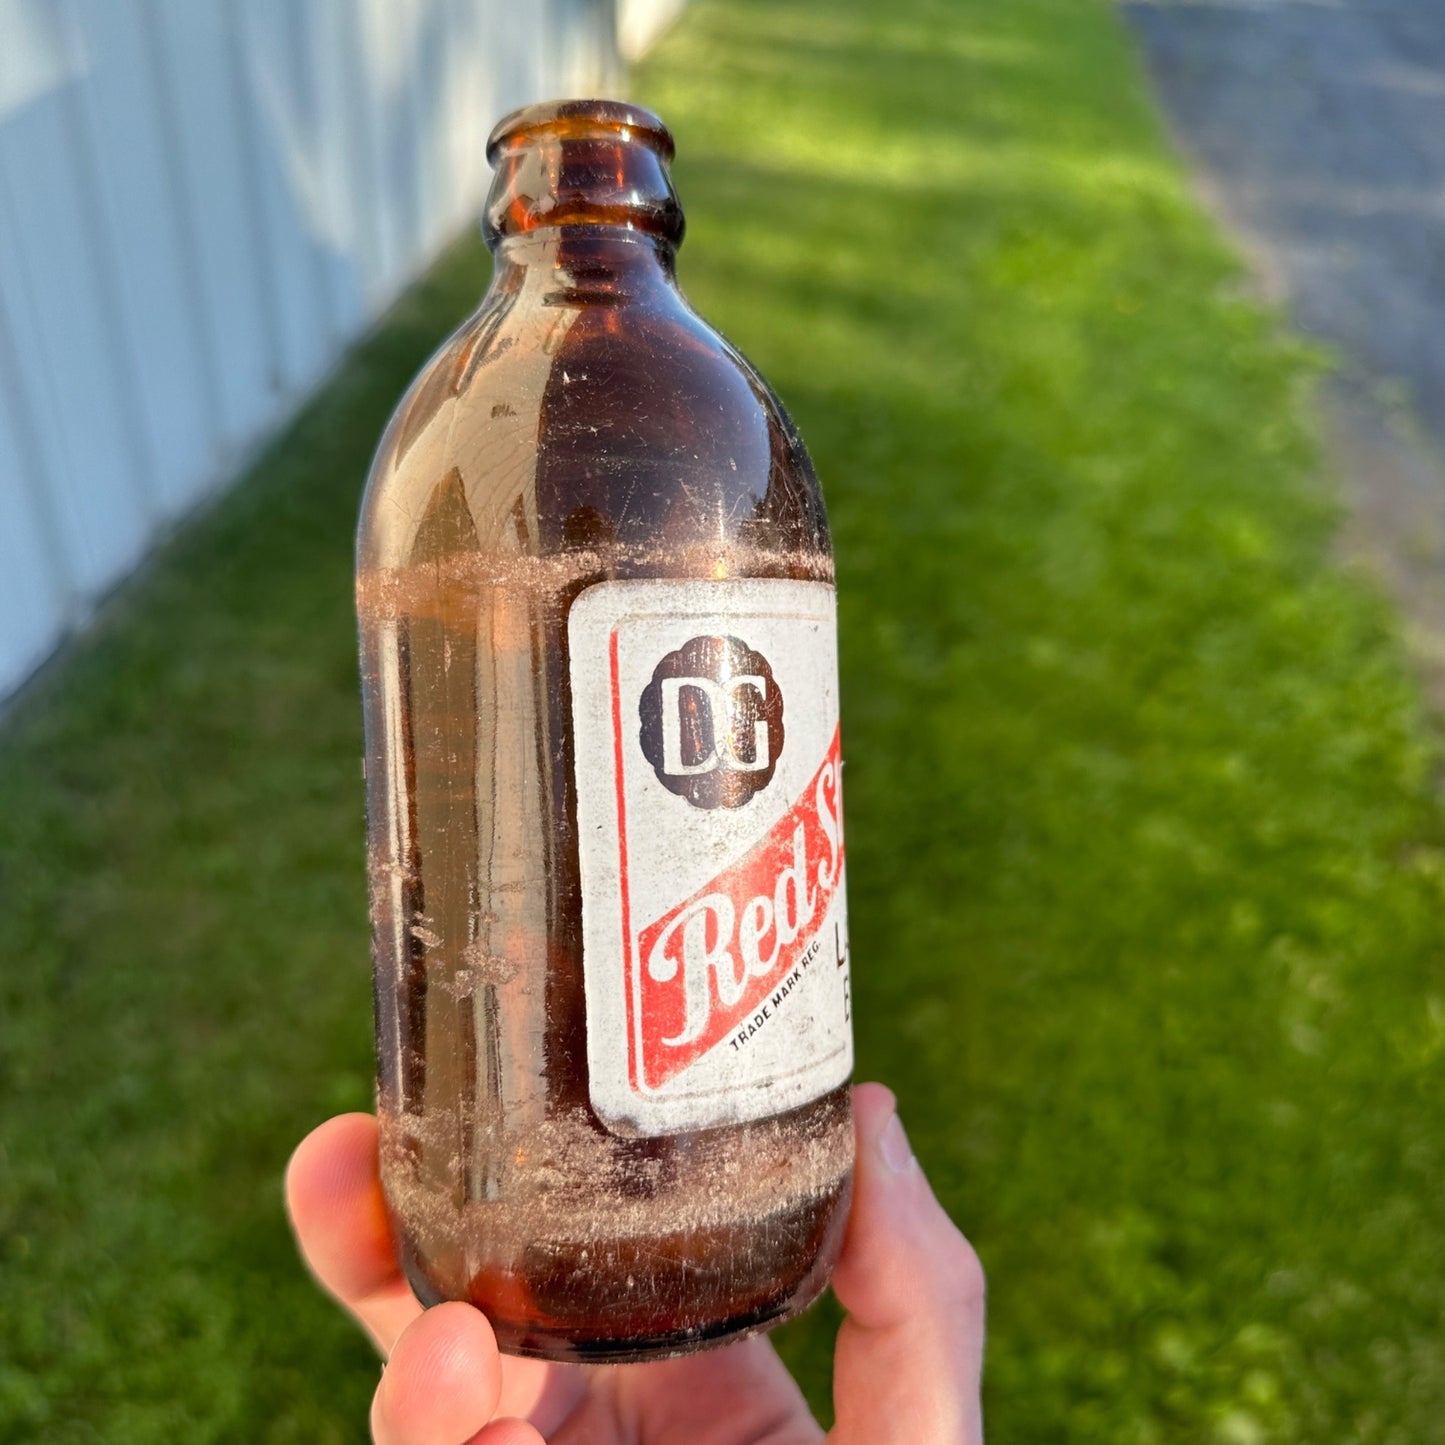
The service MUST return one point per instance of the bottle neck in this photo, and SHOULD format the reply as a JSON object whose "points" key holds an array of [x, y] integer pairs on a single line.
{"points": [[582, 203], [585, 264]]}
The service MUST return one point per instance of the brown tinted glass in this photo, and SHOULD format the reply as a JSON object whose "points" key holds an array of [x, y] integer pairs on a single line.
{"points": [[585, 424]]}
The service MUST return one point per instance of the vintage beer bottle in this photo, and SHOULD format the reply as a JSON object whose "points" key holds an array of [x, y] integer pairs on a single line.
{"points": [[595, 591]]}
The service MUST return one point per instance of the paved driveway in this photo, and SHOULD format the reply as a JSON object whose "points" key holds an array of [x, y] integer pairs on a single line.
{"points": [[1320, 127]]}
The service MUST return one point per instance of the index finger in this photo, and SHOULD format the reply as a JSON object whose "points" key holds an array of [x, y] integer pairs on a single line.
{"points": [[333, 1194]]}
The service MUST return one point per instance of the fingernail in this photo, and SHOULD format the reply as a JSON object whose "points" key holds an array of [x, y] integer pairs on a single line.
{"points": [[893, 1146]]}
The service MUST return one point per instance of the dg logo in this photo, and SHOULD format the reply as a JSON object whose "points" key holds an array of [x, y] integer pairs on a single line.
{"points": [[712, 722]]}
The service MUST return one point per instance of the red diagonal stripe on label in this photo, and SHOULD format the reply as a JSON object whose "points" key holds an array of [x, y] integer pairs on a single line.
{"points": [[706, 965]]}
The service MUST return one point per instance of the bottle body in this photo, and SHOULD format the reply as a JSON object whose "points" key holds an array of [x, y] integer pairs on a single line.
{"points": [[583, 477]]}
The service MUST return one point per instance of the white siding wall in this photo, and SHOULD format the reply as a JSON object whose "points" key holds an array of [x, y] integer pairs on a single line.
{"points": [[201, 203]]}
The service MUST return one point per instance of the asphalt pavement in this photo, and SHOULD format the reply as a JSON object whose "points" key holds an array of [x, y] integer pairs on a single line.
{"points": [[1318, 126]]}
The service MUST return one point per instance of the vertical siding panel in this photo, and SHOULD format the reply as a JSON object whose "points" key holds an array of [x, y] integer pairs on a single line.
{"points": [[51, 294], [157, 291], [259, 239], [316, 218], [475, 112], [448, 114], [367, 188], [282, 148], [395, 27], [431, 98], [456, 116], [191, 50], [344, 229], [379, 78], [111, 323]]}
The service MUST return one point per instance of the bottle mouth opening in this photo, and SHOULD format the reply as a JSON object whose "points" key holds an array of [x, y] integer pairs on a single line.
{"points": [[580, 120]]}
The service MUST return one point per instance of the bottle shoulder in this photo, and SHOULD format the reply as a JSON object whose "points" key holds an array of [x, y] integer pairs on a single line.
{"points": [[632, 427]]}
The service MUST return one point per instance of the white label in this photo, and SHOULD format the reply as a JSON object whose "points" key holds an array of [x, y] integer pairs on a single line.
{"points": [[710, 836]]}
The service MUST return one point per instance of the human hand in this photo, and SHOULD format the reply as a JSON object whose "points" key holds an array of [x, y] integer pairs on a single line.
{"points": [[908, 1359]]}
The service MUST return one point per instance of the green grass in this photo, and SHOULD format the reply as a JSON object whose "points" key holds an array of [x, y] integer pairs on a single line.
{"points": [[1147, 860]]}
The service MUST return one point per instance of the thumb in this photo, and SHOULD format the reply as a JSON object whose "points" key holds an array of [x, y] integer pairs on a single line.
{"points": [[910, 1352]]}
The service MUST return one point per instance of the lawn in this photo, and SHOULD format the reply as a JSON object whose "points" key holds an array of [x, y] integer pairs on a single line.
{"points": [[1146, 854]]}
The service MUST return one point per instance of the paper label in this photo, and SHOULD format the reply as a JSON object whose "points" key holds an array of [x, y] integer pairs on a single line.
{"points": [[710, 837]]}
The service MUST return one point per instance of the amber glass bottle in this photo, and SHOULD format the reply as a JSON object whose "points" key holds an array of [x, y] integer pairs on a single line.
{"points": [[594, 584]]}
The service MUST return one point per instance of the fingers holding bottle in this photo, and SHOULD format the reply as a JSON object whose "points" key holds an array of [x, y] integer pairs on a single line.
{"points": [[338, 1214], [910, 1353], [443, 1384]]}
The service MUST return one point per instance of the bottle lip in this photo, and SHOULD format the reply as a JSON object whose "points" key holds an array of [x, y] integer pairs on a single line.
{"points": [[574, 118]]}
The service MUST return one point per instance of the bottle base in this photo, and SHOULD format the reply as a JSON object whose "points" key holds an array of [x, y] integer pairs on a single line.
{"points": [[636, 1351], [698, 1242], [534, 1343]]}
